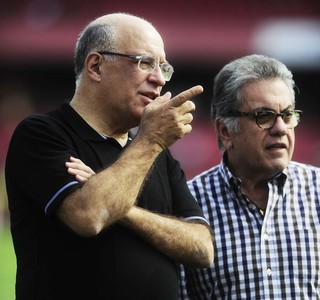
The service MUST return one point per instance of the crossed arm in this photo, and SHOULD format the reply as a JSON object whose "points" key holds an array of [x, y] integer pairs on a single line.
{"points": [[185, 242], [101, 201]]}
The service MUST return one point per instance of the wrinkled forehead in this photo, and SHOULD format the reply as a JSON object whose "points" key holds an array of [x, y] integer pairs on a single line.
{"points": [[267, 93]]}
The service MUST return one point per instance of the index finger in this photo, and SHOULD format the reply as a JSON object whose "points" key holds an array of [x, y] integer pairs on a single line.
{"points": [[186, 95]]}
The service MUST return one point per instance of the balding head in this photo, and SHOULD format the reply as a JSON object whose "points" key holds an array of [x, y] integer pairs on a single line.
{"points": [[117, 19], [111, 32]]}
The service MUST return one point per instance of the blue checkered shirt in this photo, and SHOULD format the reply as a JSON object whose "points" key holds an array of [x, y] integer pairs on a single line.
{"points": [[270, 256]]}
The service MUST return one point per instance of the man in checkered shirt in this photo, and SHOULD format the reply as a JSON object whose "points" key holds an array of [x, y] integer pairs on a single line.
{"points": [[264, 208]]}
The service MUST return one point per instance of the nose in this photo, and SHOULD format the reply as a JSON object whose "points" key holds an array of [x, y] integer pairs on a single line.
{"points": [[279, 127]]}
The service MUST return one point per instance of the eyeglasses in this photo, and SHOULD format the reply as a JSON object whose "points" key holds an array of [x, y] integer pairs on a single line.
{"points": [[266, 119], [146, 63]]}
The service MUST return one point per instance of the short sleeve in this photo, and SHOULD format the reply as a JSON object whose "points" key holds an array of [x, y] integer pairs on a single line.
{"points": [[184, 204], [36, 164]]}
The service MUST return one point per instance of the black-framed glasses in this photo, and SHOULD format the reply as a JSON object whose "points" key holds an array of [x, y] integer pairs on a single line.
{"points": [[266, 119], [146, 63]]}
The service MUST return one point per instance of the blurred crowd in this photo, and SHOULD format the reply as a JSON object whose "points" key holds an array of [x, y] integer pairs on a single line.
{"points": [[15, 103]]}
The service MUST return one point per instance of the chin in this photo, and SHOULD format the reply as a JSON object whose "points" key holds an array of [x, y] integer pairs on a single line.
{"points": [[280, 165]]}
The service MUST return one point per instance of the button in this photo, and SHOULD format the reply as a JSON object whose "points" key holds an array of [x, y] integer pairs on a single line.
{"points": [[269, 272], [265, 236], [252, 206]]}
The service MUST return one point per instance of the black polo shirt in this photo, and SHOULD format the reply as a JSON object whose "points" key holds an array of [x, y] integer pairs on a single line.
{"points": [[55, 263]]}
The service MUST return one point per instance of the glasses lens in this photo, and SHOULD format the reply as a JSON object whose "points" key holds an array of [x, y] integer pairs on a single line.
{"points": [[265, 119], [167, 71], [297, 115], [148, 63], [292, 118]]}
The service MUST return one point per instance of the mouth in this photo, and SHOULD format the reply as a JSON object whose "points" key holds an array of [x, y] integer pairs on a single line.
{"points": [[150, 95], [276, 146]]}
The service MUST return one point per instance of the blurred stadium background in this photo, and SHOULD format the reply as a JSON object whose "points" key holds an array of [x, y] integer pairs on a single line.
{"points": [[37, 39]]}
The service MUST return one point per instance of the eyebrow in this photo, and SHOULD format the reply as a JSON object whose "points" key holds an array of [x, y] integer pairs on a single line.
{"points": [[262, 108]]}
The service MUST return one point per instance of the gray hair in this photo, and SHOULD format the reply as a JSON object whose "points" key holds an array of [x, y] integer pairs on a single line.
{"points": [[228, 83], [97, 36]]}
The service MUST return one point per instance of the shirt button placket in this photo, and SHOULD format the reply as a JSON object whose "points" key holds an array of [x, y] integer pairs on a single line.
{"points": [[269, 272]]}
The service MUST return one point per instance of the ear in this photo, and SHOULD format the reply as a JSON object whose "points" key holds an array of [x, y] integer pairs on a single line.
{"points": [[223, 134], [93, 63]]}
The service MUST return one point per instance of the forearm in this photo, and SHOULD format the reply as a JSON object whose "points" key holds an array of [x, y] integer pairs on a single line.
{"points": [[108, 195], [185, 242]]}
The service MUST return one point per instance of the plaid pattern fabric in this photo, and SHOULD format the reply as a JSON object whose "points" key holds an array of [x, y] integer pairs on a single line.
{"points": [[270, 256]]}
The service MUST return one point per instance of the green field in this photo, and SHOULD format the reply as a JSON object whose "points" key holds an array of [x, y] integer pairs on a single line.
{"points": [[7, 265]]}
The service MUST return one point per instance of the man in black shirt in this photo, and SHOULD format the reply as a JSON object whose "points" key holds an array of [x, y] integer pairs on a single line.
{"points": [[119, 234]]}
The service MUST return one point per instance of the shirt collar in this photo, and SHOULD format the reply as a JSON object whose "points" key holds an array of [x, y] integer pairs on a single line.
{"points": [[80, 126], [235, 182]]}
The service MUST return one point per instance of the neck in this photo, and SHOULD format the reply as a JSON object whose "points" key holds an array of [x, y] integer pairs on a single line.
{"points": [[122, 140], [257, 193], [100, 124]]}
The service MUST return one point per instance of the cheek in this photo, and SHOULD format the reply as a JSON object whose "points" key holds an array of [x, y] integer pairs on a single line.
{"points": [[250, 136], [292, 139], [251, 144]]}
